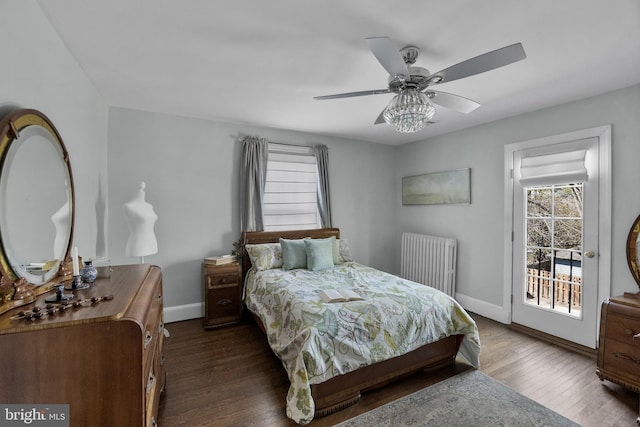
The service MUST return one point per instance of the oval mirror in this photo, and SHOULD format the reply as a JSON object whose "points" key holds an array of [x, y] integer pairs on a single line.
{"points": [[633, 257], [36, 203]]}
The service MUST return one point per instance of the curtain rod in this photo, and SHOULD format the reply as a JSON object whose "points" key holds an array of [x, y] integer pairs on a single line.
{"points": [[301, 150], [289, 145], [284, 144]]}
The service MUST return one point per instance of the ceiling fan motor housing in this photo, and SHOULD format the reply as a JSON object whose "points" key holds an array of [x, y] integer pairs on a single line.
{"points": [[417, 79]]}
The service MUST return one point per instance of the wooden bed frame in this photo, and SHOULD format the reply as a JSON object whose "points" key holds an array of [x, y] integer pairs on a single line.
{"points": [[345, 390]]}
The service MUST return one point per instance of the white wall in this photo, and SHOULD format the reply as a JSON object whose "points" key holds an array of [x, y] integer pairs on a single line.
{"points": [[39, 72], [191, 170], [479, 226]]}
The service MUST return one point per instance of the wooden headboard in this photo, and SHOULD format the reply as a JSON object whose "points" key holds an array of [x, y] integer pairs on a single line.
{"points": [[257, 237]]}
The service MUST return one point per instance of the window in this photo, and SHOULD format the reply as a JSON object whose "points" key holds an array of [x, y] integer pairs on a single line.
{"points": [[290, 199], [553, 234]]}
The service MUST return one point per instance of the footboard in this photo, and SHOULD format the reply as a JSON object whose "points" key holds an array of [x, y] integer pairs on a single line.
{"points": [[345, 390]]}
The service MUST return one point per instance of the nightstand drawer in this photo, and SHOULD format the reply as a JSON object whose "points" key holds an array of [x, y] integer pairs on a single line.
{"points": [[224, 300], [212, 281]]}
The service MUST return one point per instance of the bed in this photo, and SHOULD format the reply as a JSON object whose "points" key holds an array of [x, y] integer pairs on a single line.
{"points": [[334, 351]]}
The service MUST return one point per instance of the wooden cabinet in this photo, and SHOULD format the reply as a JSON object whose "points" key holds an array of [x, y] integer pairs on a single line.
{"points": [[222, 294], [104, 358], [619, 349]]}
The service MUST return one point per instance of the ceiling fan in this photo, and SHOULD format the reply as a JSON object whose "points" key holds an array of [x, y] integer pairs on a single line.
{"points": [[412, 107]]}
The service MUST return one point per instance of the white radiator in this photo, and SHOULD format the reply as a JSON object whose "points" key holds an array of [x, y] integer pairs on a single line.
{"points": [[429, 260]]}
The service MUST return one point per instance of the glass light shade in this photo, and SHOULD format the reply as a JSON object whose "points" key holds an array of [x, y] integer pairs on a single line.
{"points": [[409, 111]]}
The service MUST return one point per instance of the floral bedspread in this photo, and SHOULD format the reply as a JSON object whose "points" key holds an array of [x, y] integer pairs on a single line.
{"points": [[317, 340]]}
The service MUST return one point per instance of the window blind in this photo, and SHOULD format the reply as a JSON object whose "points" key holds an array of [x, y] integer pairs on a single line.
{"points": [[566, 167], [290, 200]]}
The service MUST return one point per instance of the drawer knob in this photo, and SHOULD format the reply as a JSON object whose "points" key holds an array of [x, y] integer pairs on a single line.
{"points": [[152, 379], [225, 301], [147, 339]]}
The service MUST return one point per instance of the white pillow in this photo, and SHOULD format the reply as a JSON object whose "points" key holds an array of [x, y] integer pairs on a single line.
{"points": [[265, 256], [344, 253]]}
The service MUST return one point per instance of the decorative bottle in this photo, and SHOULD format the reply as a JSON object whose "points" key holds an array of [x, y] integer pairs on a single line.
{"points": [[88, 272]]}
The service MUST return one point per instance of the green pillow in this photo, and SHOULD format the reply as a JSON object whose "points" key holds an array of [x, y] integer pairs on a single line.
{"points": [[294, 254], [319, 253]]}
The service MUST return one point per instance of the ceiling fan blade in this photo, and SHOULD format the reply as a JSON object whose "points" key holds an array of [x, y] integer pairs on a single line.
{"points": [[453, 102], [388, 55], [481, 63], [352, 94]]}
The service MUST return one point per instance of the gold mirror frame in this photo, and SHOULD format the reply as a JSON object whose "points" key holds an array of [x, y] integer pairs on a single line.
{"points": [[14, 289], [632, 250]]}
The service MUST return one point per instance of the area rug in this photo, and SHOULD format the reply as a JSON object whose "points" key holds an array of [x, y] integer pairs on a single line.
{"points": [[468, 399]]}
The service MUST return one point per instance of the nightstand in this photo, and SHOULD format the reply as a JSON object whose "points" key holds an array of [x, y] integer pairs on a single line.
{"points": [[222, 294]]}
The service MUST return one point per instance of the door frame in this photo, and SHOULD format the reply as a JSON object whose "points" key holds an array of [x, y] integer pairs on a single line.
{"points": [[603, 133]]}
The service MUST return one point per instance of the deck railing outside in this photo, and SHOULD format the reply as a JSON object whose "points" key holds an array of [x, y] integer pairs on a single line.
{"points": [[564, 293]]}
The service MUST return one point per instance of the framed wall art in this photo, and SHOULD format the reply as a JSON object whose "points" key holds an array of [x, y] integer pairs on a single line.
{"points": [[449, 187]]}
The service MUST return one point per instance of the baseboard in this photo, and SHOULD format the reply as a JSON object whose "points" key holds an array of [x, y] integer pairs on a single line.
{"points": [[484, 309], [586, 351], [183, 312]]}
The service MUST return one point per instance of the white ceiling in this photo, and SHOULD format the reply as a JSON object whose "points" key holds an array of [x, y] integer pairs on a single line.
{"points": [[261, 62]]}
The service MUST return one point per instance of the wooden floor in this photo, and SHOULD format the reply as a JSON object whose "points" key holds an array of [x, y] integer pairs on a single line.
{"points": [[230, 377]]}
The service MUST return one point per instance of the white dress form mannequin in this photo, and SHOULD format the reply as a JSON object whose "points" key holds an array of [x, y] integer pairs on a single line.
{"points": [[140, 219], [60, 221]]}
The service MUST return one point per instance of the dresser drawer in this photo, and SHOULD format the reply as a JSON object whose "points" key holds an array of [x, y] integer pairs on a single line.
{"points": [[155, 380], [623, 328], [152, 334], [152, 393], [153, 324], [622, 359]]}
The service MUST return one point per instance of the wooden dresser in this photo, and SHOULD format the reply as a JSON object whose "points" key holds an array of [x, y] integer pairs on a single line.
{"points": [[104, 358], [619, 350]]}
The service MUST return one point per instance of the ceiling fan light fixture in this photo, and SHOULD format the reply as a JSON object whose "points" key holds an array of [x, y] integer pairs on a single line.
{"points": [[409, 111]]}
